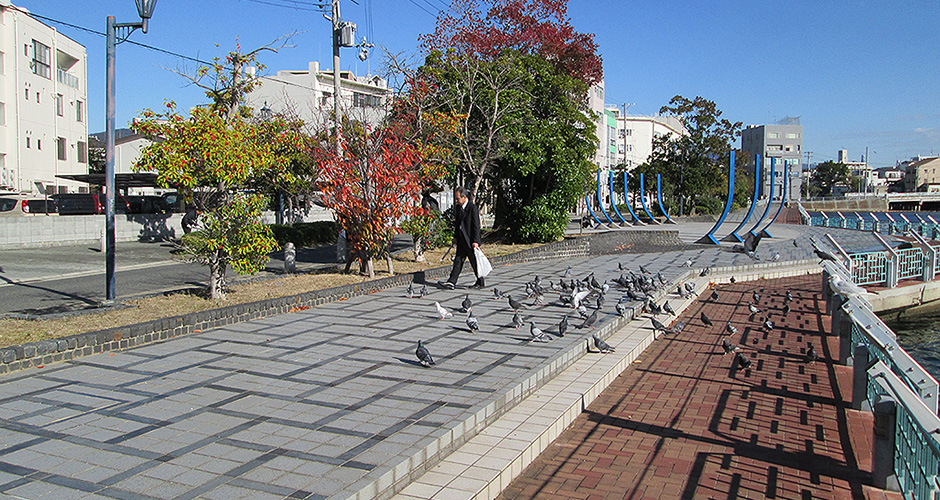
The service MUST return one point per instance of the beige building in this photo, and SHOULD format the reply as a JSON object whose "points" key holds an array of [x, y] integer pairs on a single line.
{"points": [[43, 105], [921, 174]]}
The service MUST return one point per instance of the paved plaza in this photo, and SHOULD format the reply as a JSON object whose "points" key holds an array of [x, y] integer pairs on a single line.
{"points": [[326, 402]]}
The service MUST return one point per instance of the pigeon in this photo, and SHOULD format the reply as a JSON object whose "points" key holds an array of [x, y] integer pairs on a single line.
{"points": [[731, 328], [676, 328], [441, 312], [705, 272], [605, 288], [728, 346], [567, 272], [424, 290], [466, 304], [563, 326], [517, 321], [789, 297], [599, 304], [594, 284], [811, 355], [644, 270], [776, 257], [654, 307], [690, 287], [688, 263], [472, 322], [756, 297], [705, 319], [795, 244], [497, 294], [657, 326], [589, 321], [411, 290], [768, 324], [752, 255], [582, 311], [423, 355], [742, 361], [601, 346], [621, 309], [578, 297], [536, 334], [515, 305], [714, 295], [620, 266], [786, 309], [752, 308], [732, 280], [668, 308]]}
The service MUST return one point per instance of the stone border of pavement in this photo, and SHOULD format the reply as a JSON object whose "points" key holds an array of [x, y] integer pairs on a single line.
{"points": [[491, 459], [41, 353]]}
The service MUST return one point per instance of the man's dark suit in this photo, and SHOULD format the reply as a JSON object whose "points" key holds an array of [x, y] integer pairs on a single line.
{"points": [[466, 233]]}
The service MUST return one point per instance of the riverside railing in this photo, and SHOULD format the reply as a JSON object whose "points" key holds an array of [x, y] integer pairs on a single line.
{"points": [[888, 382], [886, 266], [924, 225]]}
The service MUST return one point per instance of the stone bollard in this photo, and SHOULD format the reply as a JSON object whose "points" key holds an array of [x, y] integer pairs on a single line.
{"points": [[290, 258], [860, 378], [882, 467], [102, 242], [341, 246]]}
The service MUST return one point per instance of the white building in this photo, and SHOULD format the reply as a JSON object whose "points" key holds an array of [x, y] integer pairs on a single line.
{"points": [[635, 134], [43, 106], [308, 95]]}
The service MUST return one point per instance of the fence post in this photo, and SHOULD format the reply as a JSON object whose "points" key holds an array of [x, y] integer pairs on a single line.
{"points": [[893, 263], [860, 378], [842, 326], [929, 257], [883, 475]]}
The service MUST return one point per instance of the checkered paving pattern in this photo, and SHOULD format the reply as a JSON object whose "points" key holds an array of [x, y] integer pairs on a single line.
{"points": [[685, 422]]}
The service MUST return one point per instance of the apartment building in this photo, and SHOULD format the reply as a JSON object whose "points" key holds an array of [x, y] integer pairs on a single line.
{"points": [[921, 174], [43, 106], [784, 143]]}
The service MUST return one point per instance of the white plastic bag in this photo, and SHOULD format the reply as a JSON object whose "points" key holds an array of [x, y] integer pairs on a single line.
{"points": [[483, 264]]}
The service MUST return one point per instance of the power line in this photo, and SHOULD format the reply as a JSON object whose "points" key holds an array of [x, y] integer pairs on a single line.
{"points": [[295, 7], [416, 4]]}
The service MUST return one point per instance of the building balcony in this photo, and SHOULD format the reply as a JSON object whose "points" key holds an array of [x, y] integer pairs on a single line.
{"points": [[66, 78]]}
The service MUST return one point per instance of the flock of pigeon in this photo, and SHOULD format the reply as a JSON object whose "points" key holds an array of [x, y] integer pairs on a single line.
{"points": [[586, 298]]}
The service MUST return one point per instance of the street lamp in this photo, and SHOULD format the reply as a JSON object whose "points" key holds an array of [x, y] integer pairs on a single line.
{"points": [[145, 10]]}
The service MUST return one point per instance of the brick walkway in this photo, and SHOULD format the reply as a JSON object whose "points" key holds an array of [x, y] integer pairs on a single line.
{"points": [[683, 423]]}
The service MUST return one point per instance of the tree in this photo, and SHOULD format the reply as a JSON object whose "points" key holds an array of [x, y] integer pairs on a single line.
{"points": [[694, 163], [827, 174], [211, 156]]}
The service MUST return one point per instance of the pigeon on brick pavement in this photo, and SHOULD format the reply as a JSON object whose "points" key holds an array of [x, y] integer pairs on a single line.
{"points": [[423, 355]]}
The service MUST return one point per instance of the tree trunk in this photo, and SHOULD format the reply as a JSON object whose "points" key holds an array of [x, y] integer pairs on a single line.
{"points": [[367, 267], [216, 277], [391, 265]]}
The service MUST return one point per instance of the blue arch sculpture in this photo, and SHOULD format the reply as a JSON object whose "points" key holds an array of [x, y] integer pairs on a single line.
{"points": [[783, 200], [613, 203], [757, 180], [626, 199], [659, 198], [587, 203], [770, 196], [600, 203], [643, 201], [709, 237]]}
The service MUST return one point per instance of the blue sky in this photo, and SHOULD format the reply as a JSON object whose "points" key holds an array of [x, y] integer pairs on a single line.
{"points": [[859, 74]]}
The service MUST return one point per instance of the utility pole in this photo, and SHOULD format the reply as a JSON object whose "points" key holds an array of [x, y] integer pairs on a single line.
{"points": [[337, 121]]}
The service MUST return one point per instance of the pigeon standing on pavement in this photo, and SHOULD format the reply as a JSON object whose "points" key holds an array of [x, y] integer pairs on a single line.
{"points": [[776, 257], [732, 280], [601, 346], [728, 346], [498, 294], [424, 290], [768, 324], [582, 311], [644, 270], [621, 309], [668, 308], [742, 361], [589, 321], [514, 304], [567, 272], [714, 295], [517, 321], [411, 290], [752, 308], [786, 309], [466, 304], [657, 326], [731, 328], [811, 355], [536, 334], [789, 297], [755, 296], [441, 312], [563, 326], [423, 355], [705, 319], [472, 322]]}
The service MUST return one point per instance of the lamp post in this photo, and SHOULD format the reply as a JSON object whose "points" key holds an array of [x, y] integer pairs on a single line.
{"points": [[145, 10]]}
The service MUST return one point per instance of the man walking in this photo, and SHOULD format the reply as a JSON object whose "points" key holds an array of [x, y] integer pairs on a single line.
{"points": [[466, 237]]}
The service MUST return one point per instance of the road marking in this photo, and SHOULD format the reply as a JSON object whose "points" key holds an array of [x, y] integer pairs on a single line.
{"points": [[89, 273]]}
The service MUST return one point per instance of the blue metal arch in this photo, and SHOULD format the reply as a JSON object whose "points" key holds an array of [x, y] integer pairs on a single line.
{"points": [[757, 181], [783, 200], [709, 237], [770, 196], [600, 203], [643, 200], [626, 199], [587, 202], [659, 198], [613, 203]]}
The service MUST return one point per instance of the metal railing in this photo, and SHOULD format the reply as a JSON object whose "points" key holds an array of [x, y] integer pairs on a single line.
{"points": [[66, 78]]}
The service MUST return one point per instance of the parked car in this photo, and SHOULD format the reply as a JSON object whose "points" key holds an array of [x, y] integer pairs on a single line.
{"points": [[88, 204], [147, 204], [14, 205]]}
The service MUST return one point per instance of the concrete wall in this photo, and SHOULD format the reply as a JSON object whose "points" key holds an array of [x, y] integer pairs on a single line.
{"points": [[848, 204], [53, 230]]}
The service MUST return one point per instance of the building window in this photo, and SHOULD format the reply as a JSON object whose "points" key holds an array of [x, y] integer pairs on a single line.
{"points": [[772, 135], [61, 146], [39, 144], [82, 152], [59, 105], [41, 60], [628, 147], [793, 135], [26, 93], [79, 111], [366, 100], [38, 100], [628, 132], [27, 143]]}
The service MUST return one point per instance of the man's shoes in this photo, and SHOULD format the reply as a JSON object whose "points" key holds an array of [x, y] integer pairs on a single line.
{"points": [[446, 284], [478, 285]]}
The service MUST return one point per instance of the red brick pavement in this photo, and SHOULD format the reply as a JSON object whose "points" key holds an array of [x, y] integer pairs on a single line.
{"points": [[683, 423]]}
